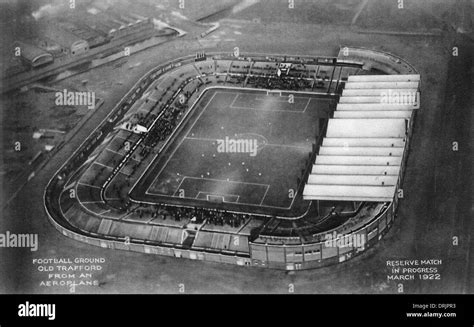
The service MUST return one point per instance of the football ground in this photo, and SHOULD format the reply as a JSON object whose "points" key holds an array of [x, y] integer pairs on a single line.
{"points": [[245, 149]]}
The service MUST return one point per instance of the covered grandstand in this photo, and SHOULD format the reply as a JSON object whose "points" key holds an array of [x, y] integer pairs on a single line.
{"points": [[361, 169]]}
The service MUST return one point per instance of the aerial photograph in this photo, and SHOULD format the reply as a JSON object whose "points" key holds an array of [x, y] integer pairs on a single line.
{"points": [[237, 147]]}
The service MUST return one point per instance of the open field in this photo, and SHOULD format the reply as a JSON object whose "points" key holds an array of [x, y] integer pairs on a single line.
{"points": [[200, 166]]}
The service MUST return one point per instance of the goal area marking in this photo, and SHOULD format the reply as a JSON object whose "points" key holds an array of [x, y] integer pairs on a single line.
{"points": [[270, 92]]}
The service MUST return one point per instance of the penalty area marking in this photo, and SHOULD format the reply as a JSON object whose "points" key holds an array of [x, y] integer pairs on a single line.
{"points": [[270, 110], [267, 186], [277, 99], [238, 94], [235, 98], [209, 195]]}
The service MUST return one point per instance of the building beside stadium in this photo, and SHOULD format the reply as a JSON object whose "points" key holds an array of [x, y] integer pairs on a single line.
{"points": [[70, 43], [33, 56], [330, 139]]}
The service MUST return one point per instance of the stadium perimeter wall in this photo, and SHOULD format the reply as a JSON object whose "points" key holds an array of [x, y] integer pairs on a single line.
{"points": [[289, 257]]}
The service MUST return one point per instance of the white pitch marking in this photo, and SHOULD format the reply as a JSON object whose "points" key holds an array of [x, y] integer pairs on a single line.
{"points": [[266, 144], [270, 110], [235, 98], [307, 104], [179, 185], [264, 195], [185, 137]]}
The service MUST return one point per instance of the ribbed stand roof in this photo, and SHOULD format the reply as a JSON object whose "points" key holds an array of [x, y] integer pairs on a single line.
{"points": [[360, 158]]}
